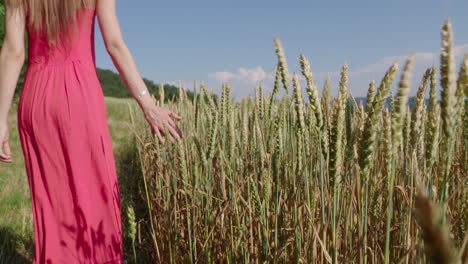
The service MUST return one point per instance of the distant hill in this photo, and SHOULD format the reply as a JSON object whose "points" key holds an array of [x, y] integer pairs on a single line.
{"points": [[112, 85]]}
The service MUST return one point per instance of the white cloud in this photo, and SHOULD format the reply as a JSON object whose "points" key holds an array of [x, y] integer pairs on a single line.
{"points": [[254, 75], [243, 81], [223, 76]]}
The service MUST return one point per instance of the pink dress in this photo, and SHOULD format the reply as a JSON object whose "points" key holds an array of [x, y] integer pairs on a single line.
{"points": [[68, 154]]}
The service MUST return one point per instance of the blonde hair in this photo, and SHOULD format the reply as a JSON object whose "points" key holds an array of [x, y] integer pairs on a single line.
{"points": [[52, 16]]}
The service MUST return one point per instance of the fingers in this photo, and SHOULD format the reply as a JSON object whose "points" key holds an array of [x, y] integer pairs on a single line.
{"points": [[167, 132], [166, 127], [163, 130], [175, 127], [7, 148], [174, 115], [5, 156], [173, 134], [158, 135], [157, 132], [5, 159]]}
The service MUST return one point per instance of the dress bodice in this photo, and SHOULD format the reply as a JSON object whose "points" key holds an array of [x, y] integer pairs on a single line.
{"points": [[80, 44]]}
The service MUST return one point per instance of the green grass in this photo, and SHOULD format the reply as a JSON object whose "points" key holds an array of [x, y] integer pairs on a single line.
{"points": [[16, 227], [16, 223]]}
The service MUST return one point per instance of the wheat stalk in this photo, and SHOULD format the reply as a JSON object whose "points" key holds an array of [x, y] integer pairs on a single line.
{"points": [[283, 65], [448, 102]]}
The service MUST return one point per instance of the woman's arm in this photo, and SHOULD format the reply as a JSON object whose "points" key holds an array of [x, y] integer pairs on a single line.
{"points": [[11, 60], [123, 61]]}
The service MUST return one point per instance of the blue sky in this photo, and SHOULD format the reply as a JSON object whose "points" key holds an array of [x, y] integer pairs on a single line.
{"points": [[232, 41]]}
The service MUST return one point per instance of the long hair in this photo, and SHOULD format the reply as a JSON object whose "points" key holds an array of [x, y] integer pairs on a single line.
{"points": [[52, 16]]}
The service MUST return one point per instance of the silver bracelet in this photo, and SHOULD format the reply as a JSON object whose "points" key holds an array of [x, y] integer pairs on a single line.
{"points": [[142, 93]]}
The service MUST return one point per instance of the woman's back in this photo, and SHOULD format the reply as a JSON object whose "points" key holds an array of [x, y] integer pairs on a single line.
{"points": [[77, 44], [64, 70]]}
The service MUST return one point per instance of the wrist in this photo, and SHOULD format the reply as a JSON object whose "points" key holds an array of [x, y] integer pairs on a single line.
{"points": [[145, 100]]}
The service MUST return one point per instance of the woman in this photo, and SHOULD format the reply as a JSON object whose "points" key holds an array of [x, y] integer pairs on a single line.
{"points": [[63, 128]]}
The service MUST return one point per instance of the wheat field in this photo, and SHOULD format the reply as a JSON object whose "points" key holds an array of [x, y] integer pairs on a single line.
{"points": [[278, 180]]}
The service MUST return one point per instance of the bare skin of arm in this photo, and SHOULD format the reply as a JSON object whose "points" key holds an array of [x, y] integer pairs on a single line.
{"points": [[12, 57], [157, 117]]}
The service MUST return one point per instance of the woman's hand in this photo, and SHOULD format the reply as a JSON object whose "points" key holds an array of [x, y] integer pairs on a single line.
{"points": [[158, 118], [5, 152]]}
